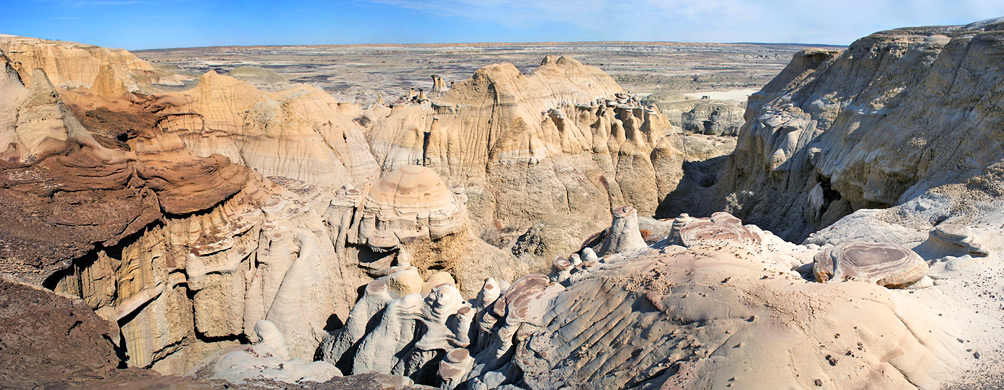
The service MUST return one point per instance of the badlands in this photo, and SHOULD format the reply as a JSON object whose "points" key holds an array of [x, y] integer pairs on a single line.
{"points": [[505, 227]]}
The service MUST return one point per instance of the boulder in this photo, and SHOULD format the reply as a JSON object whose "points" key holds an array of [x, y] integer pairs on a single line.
{"points": [[886, 264], [721, 228]]}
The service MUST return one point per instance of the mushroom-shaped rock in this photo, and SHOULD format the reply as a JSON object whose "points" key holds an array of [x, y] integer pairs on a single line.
{"points": [[409, 203], [490, 292], [562, 269], [437, 279], [441, 303], [887, 264], [404, 281], [454, 367], [438, 85], [588, 254], [575, 259], [721, 228], [959, 237], [623, 234]]}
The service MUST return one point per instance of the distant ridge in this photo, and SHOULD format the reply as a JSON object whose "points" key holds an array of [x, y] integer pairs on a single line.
{"points": [[496, 44]]}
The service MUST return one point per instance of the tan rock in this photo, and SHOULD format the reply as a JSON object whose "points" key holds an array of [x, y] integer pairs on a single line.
{"points": [[535, 147], [437, 279], [404, 282], [958, 237], [438, 85], [721, 228], [102, 71], [888, 265], [407, 204], [300, 133], [623, 235]]}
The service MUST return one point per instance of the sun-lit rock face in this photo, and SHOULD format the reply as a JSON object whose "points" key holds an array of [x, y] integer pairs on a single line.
{"points": [[558, 145], [98, 70], [407, 204], [717, 314], [301, 133], [888, 265], [66, 189], [899, 115], [719, 229], [225, 214]]}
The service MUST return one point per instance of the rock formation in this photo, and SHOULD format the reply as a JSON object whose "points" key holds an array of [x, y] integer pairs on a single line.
{"points": [[64, 191], [300, 133], [837, 132], [888, 265], [713, 118], [678, 317], [106, 72], [623, 234], [956, 239], [559, 147], [701, 116], [268, 360], [438, 85], [201, 220], [409, 203], [48, 340], [721, 228]]}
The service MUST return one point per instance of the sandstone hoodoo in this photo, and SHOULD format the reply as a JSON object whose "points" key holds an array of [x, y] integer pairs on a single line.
{"points": [[409, 203], [525, 228]]}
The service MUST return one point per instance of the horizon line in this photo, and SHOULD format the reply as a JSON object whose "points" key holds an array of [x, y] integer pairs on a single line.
{"points": [[538, 43]]}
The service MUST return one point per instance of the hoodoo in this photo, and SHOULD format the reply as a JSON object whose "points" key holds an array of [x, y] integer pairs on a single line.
{"points": [[215, 217]]}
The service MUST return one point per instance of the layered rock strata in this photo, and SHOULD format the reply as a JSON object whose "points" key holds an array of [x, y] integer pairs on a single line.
{"points": [[669, 317], [98, 70], [558, 147], [900, 115]]}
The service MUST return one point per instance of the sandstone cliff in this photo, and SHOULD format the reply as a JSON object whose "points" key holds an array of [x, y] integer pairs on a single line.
{"points": [[900, 116], [196, 221], [69, 65], [558, 147]]}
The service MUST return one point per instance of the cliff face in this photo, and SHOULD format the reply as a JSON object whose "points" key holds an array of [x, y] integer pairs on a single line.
{"points": [[561, 145], [65, 192], [69, 65], [301, 133], [193, 221], [185, 217], [900, 115]]}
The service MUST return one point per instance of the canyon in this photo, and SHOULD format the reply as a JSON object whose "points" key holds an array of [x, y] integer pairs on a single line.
{"points": [[525, 227]]}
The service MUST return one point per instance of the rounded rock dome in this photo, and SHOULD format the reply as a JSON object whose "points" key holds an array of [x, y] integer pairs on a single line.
{"points": [[411, 185]]}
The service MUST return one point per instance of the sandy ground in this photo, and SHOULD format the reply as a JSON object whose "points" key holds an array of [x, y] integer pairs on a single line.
{"points": [[734, 95], [357, 73]]}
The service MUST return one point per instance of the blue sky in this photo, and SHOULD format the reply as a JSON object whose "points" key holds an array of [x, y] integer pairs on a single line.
{"points": [[145, 24]]}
